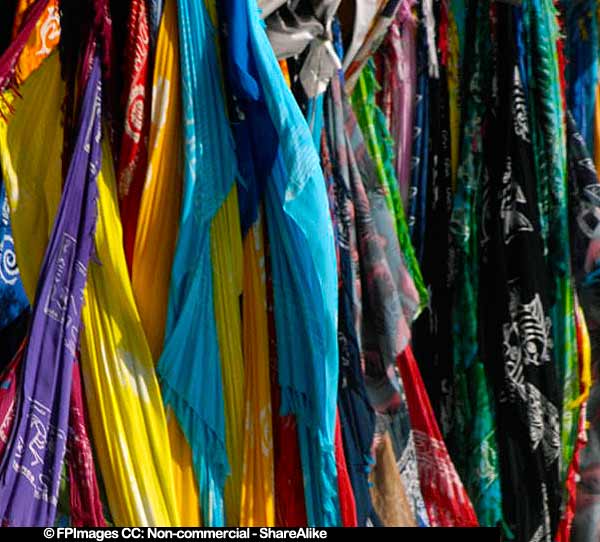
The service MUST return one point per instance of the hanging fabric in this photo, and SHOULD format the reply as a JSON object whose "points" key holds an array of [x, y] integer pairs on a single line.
{"points": [[41, 417], [157, 232]]}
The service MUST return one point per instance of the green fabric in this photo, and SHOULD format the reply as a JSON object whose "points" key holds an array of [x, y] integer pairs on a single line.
{"points": [[380, 144], [549, 143], [472, 439]]}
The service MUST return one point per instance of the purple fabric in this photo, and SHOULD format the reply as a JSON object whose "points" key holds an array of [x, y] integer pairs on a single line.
{"points": [[31, 467]]}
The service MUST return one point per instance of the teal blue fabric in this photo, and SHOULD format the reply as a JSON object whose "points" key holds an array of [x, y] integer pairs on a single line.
{"points": [[304, 274], [190, 366]]}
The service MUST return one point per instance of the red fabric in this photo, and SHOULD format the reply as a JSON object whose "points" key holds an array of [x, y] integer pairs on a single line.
{"points": [[347, 502], [290, 508], [133, 152], [566, 522], [8, 395], [443, 33], [446, 500], [86, 506], [9, 59]]}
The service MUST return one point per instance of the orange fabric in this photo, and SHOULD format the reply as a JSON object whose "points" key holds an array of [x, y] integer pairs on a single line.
{"points": [[42, 40]]}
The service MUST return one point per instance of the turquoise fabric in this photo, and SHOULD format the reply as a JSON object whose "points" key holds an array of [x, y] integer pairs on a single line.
{"points": [[189, 367], [304, 273]]}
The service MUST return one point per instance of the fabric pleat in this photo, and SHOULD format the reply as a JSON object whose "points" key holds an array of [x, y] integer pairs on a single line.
{"points": [[157, 233], [258, 482], [123, 397], [190, 366]]}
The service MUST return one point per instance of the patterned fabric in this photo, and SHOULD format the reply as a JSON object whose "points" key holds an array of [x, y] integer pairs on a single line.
{"points": [[356, 414], [432, 332], [398, 81], [447, 502], [41, 423], [518, 338], [13, 300], [417, 193], [379, 145], [469, 416], [585, 241], [133, 145], [85, 504], [42, 41], [388, 296], [541, 35], [208, 153]]}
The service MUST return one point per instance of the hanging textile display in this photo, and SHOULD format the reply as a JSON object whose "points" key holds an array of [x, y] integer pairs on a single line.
{"points": [[471, 417], [41, 415], [133, 135], [304, 285], [209, 152], [300, 263], [157, 231]]}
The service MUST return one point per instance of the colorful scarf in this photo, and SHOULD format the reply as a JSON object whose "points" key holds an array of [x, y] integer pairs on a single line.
{"points": [[133, 146], [41, 419], [157, 232], [85, 504], [191, 357], [13, 300], [42, 40], [517, 338], [447, 502], [470, 423], [120, 382]]}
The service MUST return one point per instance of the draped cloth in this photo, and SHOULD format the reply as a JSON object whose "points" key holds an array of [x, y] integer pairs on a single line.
{"points": [[32, 474], [13, 300], [546, 106], [399, 68], [85, 505], [471, 432], [123, 397], [517, 338], [389, 295], [157, 232], [304, 272], [447, 502], [42, 40], [34, 189], [227, 258], [10, 57], [191, 355], [132, 155], [258, 482]]}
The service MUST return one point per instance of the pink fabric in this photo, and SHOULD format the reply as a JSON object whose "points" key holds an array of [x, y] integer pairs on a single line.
{"points": [[86, 506], [8, 394], [399, 90]]}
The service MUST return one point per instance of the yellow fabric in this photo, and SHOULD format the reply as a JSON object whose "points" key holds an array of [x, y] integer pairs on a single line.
{"points": [[258, 482], [585, 359], [161, 199], [157, 234], [123, 396], [227, 261], [453, 91], [124, 401], [42, 41], [30, 153]]}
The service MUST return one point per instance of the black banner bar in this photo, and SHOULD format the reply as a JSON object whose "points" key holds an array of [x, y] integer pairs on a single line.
{"points": [[260, 533]]}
